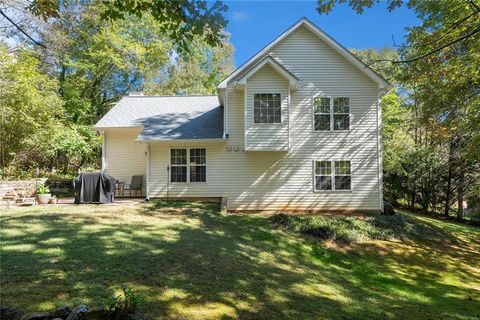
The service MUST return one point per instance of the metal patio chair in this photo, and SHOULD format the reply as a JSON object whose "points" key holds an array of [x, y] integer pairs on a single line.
{"points": [[135, 185]]}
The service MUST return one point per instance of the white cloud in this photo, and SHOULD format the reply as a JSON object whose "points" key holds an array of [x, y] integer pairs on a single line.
{"points": [[239, 16]]}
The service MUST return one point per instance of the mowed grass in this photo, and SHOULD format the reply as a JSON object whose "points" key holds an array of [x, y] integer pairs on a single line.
{"points": [[191, 262]]}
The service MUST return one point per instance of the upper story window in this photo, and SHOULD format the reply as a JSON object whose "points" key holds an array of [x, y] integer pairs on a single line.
{"points": [[332, 175], [267, 108], [331, 114], [188, 165]]}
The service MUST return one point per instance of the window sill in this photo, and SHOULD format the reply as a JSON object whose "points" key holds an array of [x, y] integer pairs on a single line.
{"points": [[183, 183], [331, 131], [332, 191]]}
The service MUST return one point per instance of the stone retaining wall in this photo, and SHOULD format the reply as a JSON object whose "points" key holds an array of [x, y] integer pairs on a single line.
{"points": [[10, 185]]}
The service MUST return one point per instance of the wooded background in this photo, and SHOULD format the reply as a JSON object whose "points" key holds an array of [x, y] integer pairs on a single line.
{"points": [[63, 65]]}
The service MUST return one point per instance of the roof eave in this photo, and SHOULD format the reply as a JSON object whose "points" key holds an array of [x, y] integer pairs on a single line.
{"points": [[182, 140]]}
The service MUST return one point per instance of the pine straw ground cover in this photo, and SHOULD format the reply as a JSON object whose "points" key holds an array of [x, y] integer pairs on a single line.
{"points": [[191, 262]]}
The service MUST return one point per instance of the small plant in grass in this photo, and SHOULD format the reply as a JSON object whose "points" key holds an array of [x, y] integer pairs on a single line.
{"points": [[119, 307], [42, 189]]}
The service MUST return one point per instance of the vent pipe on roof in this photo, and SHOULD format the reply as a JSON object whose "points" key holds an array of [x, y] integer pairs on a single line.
{"points": [[135, 94]]}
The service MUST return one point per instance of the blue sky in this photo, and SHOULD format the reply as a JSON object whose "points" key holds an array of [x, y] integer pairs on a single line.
{"points": [[254, 24]]}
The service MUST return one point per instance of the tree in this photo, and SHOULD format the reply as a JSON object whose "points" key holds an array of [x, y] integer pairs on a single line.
{"points": [[29, 100], [198, 72], [445, 23], [34, 130], [181, 21], [440, 80]]}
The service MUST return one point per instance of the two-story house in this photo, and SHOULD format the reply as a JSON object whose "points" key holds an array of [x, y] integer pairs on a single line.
{"points": [[297, 127]]}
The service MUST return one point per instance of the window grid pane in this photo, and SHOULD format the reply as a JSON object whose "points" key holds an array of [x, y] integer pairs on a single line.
{"points": [[198, 168], [198, 173], [178, 174], [321, 105], [322, 122], [343, 178], [323, 175], [267, 108], [178, 156], [341, 113]]}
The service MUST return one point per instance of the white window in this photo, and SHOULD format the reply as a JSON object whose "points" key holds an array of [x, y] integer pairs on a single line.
{"points": [[198, 165], [332, 175], [188, 165], [331, 114], [341, 113], [321, 113], [343, 175], [267, 108]]}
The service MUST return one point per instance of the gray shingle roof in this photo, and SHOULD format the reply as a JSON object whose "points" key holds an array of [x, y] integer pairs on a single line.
{"points": [[167, 118]]}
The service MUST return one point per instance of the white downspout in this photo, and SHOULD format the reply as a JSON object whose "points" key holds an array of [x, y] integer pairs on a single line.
{"points": [[104, 152], [147, 156]]}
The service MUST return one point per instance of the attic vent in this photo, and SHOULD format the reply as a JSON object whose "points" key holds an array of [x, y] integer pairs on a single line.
{"points": [[135, 93]]}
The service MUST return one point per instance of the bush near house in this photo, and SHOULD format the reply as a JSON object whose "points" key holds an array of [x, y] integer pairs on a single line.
{"points": [[356, 229]]}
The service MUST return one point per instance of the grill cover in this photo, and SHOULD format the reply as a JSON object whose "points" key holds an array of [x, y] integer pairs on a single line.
{"points": [[94, 187]]}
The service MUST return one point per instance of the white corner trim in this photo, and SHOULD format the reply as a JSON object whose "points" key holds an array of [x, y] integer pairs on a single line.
{"points": [[104, 152], [147, 188], [380, 150]]}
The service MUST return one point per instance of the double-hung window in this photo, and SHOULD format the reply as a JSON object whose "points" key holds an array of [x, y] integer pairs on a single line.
{"points": [[331, 114], [188, 165], [178, 165], [341, 113], [198, 165], [267, 108], [332, 175], [321, 113]]}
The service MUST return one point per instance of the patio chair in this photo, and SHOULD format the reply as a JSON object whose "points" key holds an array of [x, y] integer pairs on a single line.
{"points": [[135, 185]]}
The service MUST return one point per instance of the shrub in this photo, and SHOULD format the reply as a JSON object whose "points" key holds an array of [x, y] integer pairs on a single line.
{"points": [[354, 229]]}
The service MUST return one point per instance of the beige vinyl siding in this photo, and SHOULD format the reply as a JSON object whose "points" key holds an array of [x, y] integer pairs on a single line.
{"points": [[123, 156], [284, 180], [267, 136], [271, 180]]}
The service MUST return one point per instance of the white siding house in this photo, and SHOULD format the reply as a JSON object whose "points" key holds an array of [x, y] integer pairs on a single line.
{"points": [[297, 127]]}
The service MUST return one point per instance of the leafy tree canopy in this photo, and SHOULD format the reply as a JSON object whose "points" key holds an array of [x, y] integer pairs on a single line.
{"points": [[182, 21]]}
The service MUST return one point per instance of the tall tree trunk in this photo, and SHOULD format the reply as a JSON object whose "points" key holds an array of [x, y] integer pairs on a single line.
{"points": [[461, 190], [448, 191]]}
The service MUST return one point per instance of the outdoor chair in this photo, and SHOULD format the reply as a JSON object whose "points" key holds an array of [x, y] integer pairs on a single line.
{"points": [[135, 185]]}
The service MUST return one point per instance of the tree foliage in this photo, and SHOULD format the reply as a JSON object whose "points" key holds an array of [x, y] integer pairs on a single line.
{"points": [[434, 160], [88, 63], [181, 21], [33, 129]]}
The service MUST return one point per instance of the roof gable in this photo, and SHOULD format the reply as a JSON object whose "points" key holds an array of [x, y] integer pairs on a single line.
{"points": [[344, 52], [294, 82]]}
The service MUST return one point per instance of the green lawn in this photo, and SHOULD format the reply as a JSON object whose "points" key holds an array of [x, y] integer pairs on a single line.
{"points": [[190, 261]]}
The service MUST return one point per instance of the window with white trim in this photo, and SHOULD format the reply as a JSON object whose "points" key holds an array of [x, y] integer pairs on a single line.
{"points": [[331, 114], [267, 108], [341, 113], [332, 175], [321, 113], [323, 175], [188, 165], [178, 165], [343, 175], [198, 165]]}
